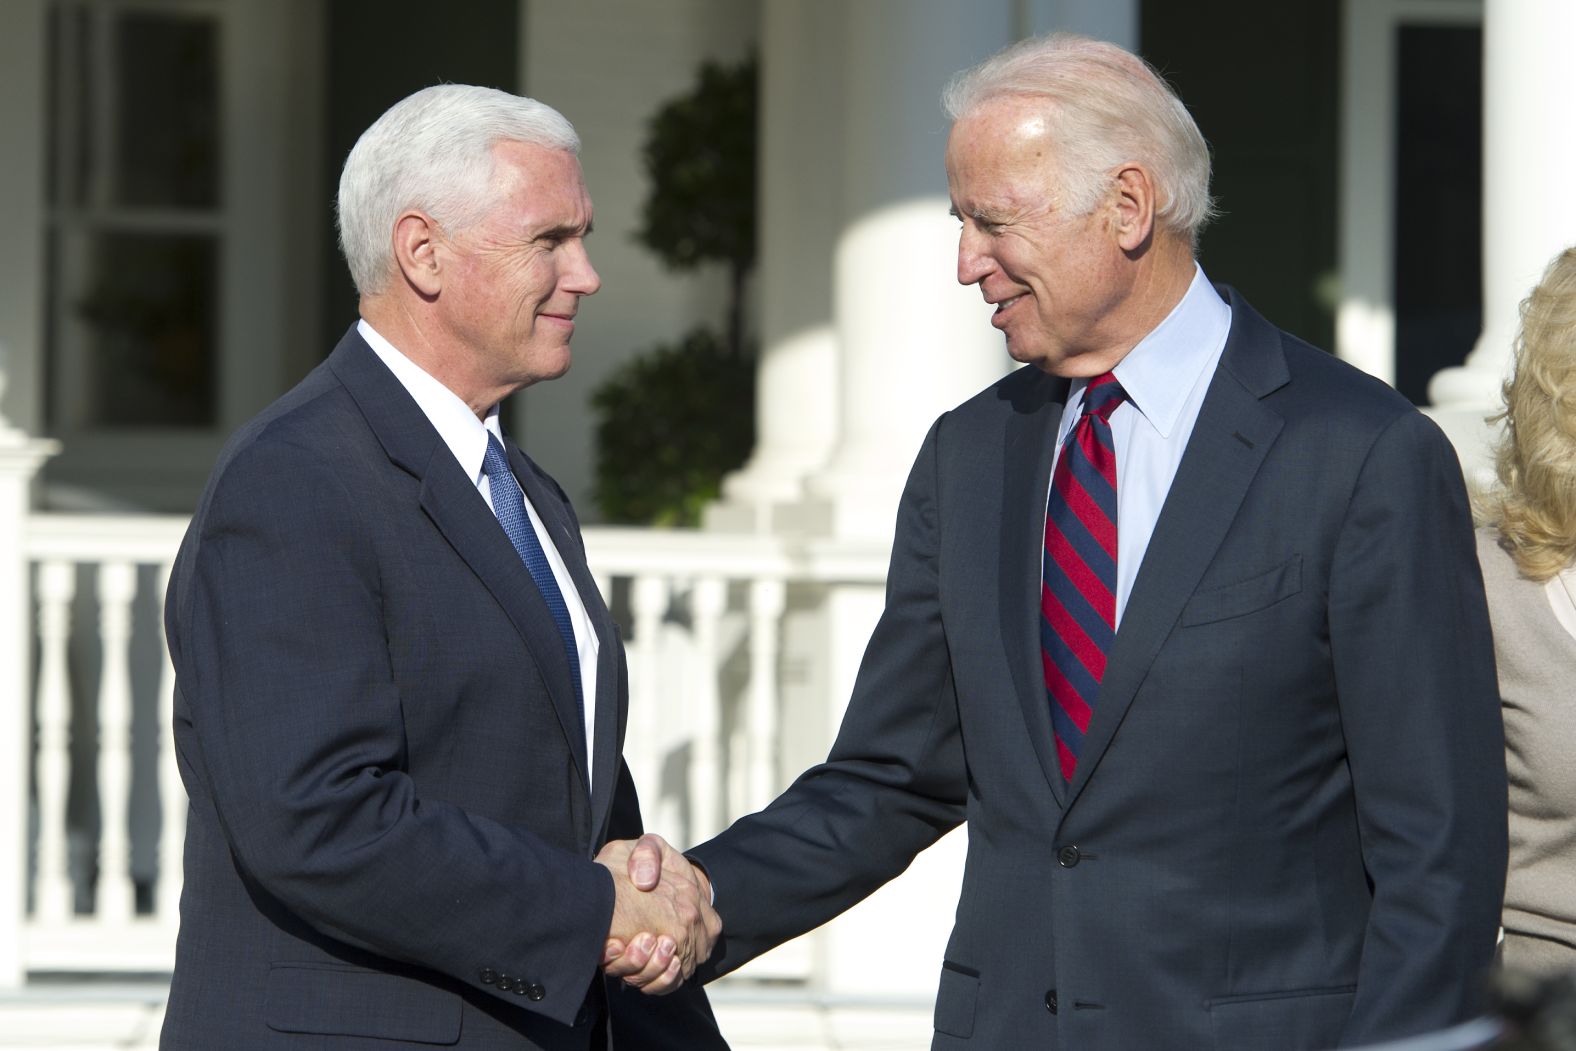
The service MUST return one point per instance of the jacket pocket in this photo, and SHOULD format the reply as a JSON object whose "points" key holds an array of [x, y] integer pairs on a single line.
{"points": [[960, 987], [1293, 1020], [334, 1000], [1245, 596]]}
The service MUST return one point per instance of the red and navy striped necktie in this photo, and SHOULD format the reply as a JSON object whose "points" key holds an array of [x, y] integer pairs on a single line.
{"points": [[1078, 578]]}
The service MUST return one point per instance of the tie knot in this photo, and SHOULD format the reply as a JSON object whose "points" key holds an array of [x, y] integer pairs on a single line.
{"points": [[1103, 395], [494, 462]]}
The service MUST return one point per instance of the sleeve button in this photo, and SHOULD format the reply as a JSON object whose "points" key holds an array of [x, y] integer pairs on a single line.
{"points": [[488, 976], [533, 991]]}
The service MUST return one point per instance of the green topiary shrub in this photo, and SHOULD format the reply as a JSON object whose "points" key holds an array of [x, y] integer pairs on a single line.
{"points": [[669, 426], [674, 421]]}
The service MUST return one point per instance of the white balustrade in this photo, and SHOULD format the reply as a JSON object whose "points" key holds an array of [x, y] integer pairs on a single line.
{"points": [[708, 601], [648, 603], [117, 895], [57, 586], [694, 603], [768, 597]]}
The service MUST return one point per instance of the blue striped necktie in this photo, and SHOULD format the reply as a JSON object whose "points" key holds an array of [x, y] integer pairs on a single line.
{"points": [[509, 505], [1078, 585]]}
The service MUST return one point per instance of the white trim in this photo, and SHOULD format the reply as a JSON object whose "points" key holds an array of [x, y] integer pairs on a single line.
{"points": [[1365, 318]]}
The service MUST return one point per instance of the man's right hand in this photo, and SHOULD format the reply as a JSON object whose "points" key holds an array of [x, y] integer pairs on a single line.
{"points": [[663, 923]]}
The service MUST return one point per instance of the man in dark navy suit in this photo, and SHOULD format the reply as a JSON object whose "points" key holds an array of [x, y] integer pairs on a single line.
{"points": [[400, 701], [1183, 619]]}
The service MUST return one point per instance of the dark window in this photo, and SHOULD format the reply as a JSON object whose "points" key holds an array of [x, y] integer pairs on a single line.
{"points": [[1438, 201]]}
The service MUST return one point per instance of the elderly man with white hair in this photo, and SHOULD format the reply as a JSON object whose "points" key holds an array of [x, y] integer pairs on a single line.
{"points": [[1183, 620], [400, 702]]}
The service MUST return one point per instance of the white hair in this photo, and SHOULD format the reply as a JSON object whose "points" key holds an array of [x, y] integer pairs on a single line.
{"points": [[1106, 106], [434, 151]]}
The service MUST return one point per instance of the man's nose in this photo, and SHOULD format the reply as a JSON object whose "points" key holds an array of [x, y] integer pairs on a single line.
{"points": [[973, 264], [583, 280]]}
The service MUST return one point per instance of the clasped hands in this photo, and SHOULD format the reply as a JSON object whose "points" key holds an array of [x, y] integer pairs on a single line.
{"points": [[663, 923]]}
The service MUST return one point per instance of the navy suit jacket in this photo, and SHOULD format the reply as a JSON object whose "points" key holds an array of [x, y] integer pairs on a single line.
{"points": [[1287, 827], [390, 838]]}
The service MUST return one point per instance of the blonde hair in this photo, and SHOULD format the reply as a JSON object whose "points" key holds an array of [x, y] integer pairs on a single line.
{"points": [[1106, 106], [1535, 504]]}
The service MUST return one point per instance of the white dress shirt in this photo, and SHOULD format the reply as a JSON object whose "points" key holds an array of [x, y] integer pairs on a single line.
{"points": [[466, 436], [1165, 377]]}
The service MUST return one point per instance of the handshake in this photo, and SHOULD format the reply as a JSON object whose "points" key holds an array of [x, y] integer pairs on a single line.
{"points": [[663, 924]]}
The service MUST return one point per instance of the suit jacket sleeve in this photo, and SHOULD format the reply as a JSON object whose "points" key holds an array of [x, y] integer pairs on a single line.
{"points": [[276, 623], [1414, 666], [892, 785]]}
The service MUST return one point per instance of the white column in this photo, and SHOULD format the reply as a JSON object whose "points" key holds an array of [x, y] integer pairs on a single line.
{"points": [[20, 459], [912, 341], [1529, 151], [800, 192]]}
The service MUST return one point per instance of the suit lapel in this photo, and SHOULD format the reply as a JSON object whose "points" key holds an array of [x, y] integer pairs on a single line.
{"points": [[566, 538], [1230, 440], [457, 509], [1029, 444]]}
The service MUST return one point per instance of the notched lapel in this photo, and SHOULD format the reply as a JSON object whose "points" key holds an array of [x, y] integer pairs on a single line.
{"points": [[462, 516], [453, 504], [1233, 435], [1029, 441]]}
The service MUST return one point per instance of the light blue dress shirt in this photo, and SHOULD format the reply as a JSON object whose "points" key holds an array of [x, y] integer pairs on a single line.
{"points": [[1165, 377]]}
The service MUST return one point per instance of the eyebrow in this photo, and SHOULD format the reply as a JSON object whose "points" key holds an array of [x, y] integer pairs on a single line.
{"points": [[979, 215], [565, 230]]}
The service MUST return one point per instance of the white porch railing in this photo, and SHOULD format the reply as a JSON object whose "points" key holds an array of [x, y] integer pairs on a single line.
{"points": [[703, 616]]}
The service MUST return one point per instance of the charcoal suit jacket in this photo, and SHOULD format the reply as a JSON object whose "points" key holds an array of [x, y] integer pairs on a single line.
{"points": [[1287, 826], [390, 836]]}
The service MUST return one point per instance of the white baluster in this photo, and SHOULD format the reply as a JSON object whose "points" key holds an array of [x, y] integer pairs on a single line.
{"points": [[708, 600], [767, 601], [172, 793], [57, 585], [648, 601], [604, 586], [117, 586]]}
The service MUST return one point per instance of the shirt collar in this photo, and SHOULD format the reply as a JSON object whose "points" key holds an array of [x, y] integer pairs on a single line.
{"points": [[456, 424], [1161, 371]]}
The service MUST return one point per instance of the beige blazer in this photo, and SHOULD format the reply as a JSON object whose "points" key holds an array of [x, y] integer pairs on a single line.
{"points": [[1535, 647]]}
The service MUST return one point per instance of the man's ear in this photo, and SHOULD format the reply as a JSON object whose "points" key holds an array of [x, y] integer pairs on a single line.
{"points": [[417, 238], [1135, 207]]}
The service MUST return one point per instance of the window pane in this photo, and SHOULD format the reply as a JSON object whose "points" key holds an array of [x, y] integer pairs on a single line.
{"points": [[166, 110], [147, 320]]}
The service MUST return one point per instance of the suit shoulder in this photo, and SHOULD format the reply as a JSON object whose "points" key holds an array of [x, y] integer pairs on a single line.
{"points": [[297, 428], [1023, 390], [1338, 388]]}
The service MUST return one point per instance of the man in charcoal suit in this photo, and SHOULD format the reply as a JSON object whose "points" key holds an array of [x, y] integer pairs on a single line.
{"points": [[1183, 619], [400, 701]]}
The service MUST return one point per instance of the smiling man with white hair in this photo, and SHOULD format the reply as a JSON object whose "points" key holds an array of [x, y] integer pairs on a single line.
{"points": [[1183, 619], [400, 702]]}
